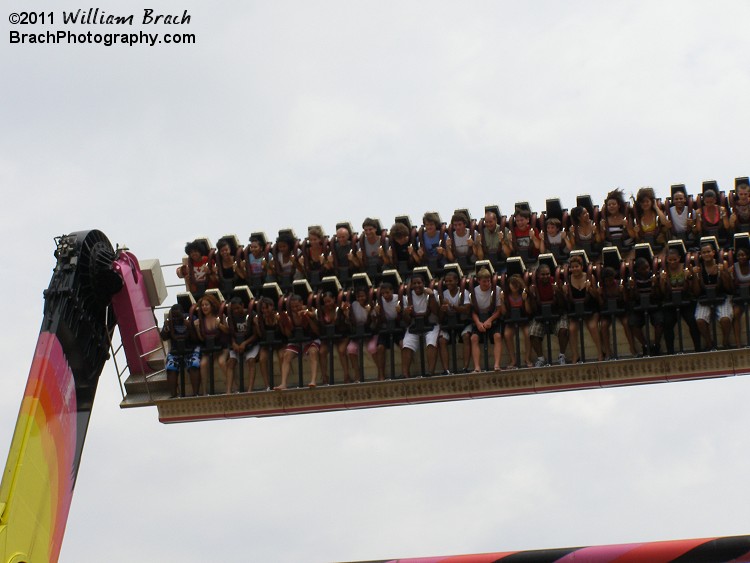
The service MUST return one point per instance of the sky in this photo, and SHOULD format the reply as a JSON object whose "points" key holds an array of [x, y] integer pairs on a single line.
{"points": [[286, 114]]}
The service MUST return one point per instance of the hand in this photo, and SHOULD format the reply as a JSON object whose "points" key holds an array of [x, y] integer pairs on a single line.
{"points": [[448, 242]]}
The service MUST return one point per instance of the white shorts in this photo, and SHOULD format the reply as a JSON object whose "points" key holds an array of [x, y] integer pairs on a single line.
{"points": [[249, 354], [411, 341], [466, 330], [723, 311]]}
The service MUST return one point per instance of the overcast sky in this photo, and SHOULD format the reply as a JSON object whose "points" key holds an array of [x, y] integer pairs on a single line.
{"points": [[286, 114]]}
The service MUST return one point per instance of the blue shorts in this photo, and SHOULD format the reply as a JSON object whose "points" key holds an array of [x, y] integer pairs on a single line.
{"points": [[191, 358]]}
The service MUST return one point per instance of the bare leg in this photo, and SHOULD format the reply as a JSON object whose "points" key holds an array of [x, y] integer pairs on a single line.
{"points": [[467, 350], [575, 345], [536, 346], [354, 364], [323, 357], [705, 331], [172, 382], [341, 348], [497, 349], [637, 332], [508, 335], [379, 358], [736, 324], [223, 357], [475, 352], [432, 355], [563, 337], [593, 325], [406, 357], [658, 331], [443, 349], [195, 381], [263, 359], [251, 375], [204, 372], [229, 374], [286, 367], [726, 328], [628, 334], [526, 345], [314, 356], [604, 327]]}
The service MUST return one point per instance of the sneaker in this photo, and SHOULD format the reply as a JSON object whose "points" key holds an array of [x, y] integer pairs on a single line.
{"points": [[561, 359], [446, 372], [540, 362]]}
